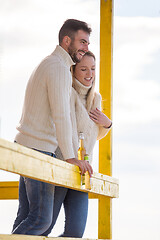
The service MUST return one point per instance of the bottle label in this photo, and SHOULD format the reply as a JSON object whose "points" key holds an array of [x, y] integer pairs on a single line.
{"points": [[86, 157]]}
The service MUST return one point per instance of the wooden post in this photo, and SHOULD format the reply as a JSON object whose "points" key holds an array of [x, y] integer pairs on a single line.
{"points": [[105, 152]]}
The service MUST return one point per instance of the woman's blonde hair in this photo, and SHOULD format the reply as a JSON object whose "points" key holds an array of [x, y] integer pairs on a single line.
{"points": [[91, 92]]}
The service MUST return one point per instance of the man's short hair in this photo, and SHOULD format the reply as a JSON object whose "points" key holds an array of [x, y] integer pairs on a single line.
{"points": [[71, 26]]}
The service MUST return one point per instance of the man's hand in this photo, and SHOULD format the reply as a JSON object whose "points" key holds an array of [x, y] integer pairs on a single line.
{"points": [[82, 164]]}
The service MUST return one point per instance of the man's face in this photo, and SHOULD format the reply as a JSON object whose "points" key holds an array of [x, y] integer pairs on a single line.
{"points": [[79, 46]]}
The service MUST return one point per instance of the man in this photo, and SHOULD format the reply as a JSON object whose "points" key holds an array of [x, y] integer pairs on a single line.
{"points": [[46, 124]]}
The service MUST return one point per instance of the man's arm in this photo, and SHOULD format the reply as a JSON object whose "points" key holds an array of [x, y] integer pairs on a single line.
{"points": [[59, 85]]}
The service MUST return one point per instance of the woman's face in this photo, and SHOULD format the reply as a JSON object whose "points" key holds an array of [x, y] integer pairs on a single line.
{"points": [[85, 70]]}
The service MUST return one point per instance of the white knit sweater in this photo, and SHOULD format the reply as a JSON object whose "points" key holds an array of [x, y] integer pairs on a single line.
{"points": [[81, 121], [46, 121]]}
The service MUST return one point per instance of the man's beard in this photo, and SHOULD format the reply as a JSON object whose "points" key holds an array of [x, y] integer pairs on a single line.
{"points": [[72, 52]]}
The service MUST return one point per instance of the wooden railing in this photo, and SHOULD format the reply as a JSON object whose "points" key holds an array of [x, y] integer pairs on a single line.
{"points": [[30, 163]]}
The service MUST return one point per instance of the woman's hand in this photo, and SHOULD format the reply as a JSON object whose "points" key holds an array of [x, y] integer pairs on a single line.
{"points": [[100, 118]]}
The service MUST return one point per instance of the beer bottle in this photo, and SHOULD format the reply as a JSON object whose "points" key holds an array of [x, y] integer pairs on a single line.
{"points": [[87, 177], [81, 149]]}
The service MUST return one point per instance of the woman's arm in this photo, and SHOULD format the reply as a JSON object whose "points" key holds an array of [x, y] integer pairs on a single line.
{"points": [[100, 118]]}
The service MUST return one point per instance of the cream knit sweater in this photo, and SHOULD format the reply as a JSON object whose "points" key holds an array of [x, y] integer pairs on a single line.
{"points": [[81, 121], [46, 121]]}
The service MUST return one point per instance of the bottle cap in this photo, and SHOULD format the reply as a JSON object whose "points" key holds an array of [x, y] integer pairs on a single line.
{"points": [[81, 135]]}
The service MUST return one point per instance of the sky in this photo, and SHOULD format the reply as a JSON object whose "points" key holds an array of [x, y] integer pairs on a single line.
{"points": [[28, 33]]}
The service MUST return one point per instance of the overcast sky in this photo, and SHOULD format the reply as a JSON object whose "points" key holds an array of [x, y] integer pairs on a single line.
{"points": [[28, 33]]}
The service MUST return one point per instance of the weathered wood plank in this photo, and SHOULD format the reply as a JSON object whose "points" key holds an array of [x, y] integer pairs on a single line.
{"points": [[27, 162], [28, 237]]}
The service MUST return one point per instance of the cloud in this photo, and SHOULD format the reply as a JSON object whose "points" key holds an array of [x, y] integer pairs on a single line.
{"points": [[138, 211], [129, 8], [136, 40], [31, 22], [136, 95]]}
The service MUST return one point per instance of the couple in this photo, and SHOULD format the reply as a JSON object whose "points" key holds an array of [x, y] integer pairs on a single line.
{"points": [[56, 108]]}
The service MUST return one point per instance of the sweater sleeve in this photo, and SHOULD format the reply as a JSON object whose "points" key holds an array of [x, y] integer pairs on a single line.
{"points": [[59, 83], [102, 131]]}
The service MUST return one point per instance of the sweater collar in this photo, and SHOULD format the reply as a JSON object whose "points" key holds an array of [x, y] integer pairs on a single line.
{"points": [[80, 88], [63, 55]]}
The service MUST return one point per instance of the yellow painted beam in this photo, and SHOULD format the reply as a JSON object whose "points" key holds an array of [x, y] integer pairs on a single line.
{"points": [[9, 190], [105, 151], [30, 163]]}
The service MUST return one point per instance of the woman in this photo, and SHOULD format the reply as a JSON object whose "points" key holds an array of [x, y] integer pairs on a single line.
{"points": [[87, 118]]}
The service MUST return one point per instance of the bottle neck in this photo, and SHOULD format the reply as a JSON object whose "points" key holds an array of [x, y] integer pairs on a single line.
{"points": [[81, 143]]}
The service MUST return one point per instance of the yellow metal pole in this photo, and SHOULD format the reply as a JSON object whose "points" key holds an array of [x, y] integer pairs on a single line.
{"points": [[105, 151]]}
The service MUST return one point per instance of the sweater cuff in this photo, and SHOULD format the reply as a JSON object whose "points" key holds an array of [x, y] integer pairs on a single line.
{"points": [[102, 132], [109, 126], [68, 154]]}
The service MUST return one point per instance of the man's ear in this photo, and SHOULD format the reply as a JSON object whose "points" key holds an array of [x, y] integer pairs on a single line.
{"points": [[67, 41]]}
